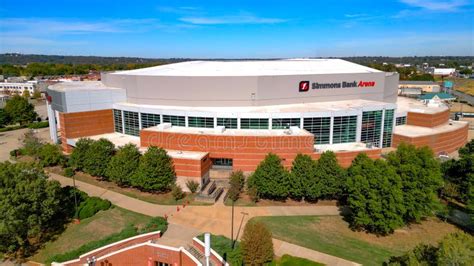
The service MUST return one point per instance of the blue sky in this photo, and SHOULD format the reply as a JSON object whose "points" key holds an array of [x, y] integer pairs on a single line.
{"points": [[238, 29]]}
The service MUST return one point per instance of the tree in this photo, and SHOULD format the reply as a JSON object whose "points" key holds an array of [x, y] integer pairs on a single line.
{"points": [[177, 192], [31, 144], [124, 165], [467, 150], [302, 176], [256, 244], [330, 177], [237, 182], [456, 249], [79, 154], [4, 119], [98, 156], [155, 171], [36, 94], [421, 178], [270, 178], [26, 94], [32, 209], [50, 155], [19, 110], [375, 197]]}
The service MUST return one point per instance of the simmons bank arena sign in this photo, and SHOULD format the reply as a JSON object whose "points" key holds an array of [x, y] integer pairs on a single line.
{"points": [[304, 85]]}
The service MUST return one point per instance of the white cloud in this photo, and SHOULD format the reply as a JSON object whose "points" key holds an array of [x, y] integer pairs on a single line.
{"points": [[37, 26], [437, 5], [238, 19]]}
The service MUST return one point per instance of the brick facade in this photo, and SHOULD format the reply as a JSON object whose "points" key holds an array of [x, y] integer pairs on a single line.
{"points": [[83, 124], [443, 142], [427, 120]]}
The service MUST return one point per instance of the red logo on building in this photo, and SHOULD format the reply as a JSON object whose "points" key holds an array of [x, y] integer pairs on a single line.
{"points": [[304, 86]]}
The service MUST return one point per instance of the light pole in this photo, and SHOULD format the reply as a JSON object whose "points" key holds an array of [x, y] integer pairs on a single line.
{"points": [[232, 227], [240, 226]]}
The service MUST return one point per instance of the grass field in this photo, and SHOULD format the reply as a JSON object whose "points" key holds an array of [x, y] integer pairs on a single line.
{"points": [[102, 224], [331, 235], [156, 198], [464, 85]]}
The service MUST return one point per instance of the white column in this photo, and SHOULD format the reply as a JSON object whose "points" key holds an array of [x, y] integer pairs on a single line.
{"points": [[53, 131], [359, 126], [331, 129], [381, 130], [139, 120]]}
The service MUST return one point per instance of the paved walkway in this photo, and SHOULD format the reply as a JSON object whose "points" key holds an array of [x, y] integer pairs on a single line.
{"points": [[193, 220]]}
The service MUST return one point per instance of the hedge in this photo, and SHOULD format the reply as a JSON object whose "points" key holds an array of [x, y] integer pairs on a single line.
{"points": [[91, 206], [37, 125]]}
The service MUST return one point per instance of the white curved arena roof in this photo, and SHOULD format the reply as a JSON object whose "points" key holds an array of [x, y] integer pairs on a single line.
{"points": [[252, 68]]}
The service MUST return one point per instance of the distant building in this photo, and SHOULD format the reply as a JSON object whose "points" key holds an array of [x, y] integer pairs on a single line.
{"points": [[414, 92], [425, 86], [444, 71], [17, 87], [436, 98]]}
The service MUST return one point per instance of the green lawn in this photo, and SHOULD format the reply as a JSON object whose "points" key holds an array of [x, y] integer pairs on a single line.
{"points": [[100, 225], [288, 260], [331, 235]]}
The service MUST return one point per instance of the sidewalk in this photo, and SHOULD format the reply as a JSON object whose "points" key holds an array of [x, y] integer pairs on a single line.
{"points": [[216, 219]]}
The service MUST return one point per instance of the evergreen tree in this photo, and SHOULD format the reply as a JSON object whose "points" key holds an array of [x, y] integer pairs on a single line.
{"points": [[155, 171], [375, 196], [256, 244], [98, 156], [270, 179], [19, 110], [330, 176], [302, 178], [421, 178], [124, 165]]}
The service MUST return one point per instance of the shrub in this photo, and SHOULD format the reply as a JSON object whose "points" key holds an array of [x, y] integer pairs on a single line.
{"points": [[91, 206], [237, 182], [15, 153], [155, 224], [177, 192], [124, 165], [68, 172], [330, 177], [50, 155], [31, 143], [253, 194], [37, 125], [256, 244], [192, 185], [303, 178]]}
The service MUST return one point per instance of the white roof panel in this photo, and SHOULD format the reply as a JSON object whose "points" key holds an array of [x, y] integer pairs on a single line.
{"points": [[253, 68]]}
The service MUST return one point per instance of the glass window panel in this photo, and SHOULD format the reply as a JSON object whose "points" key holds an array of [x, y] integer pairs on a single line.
{"points": [[388, 128], [371, 127], [206, 122], [285, 123], [130, 120], [345, 129], [175, 120], [320, 127], [254, 123], [150, 120], [118, 121], [227, 122]]}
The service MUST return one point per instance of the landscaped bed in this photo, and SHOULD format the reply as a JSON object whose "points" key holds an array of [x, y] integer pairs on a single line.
{"points": [[331, 235], [156, 198]]}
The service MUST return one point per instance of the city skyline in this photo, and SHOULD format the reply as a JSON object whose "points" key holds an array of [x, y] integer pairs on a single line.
{"points": [[211, 29]]}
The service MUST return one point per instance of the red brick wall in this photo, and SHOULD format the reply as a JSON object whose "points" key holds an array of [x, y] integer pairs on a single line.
{"points": [[246, 151], [427, 120], [118, 246], [83, 124], [192, 168], [345, 158], [443, 142]]}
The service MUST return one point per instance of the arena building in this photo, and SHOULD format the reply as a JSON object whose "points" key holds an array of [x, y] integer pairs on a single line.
{"points": [[230, 114]]}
